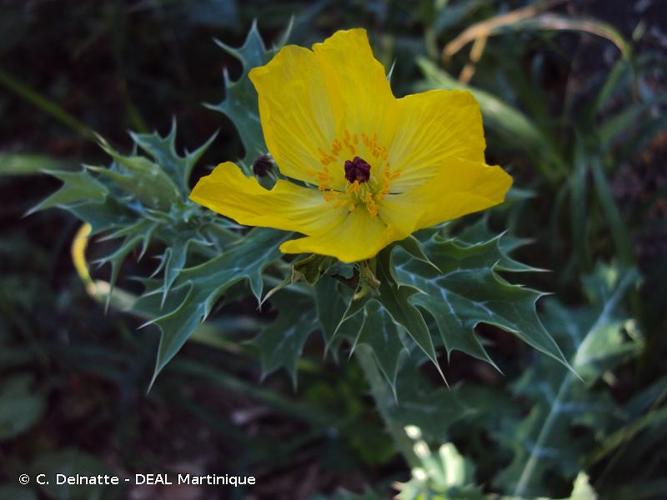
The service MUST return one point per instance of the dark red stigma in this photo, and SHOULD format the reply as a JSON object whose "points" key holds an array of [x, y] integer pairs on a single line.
{"points": [[357, 169]]}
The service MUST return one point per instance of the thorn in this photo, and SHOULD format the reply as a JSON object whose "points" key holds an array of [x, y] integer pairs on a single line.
{"points": [[437, 366], [352, 349], [32, 210], [152, 382], [391, 70], [165, 291], [227, 48], [253, 29], [147, 323], [144, 247], [286, 34], [172, 130], [99, 263], [151, 293], [272, 292]]}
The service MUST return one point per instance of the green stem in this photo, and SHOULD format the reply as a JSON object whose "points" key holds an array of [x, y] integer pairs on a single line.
{"points": [[384, 401], [45, 105]]}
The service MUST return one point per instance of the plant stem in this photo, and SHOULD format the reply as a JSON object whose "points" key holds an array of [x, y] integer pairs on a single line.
{"points": [[45, 105], [384, 401]]}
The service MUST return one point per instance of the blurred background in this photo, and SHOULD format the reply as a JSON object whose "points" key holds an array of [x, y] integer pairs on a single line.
{"points": [[574, 110]]}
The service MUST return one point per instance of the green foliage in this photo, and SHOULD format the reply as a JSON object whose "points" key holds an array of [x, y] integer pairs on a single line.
{"points": [[393, 312], [447, 475], [561, 411], [197, 289], [456, 282], [464, 289], [431, 407], [140, 199], [26, 164], [240, 102], [281, 342], [594, 341]]}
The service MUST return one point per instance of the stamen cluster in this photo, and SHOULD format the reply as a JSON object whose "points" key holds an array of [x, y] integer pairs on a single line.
{"points": [[367, 183]]}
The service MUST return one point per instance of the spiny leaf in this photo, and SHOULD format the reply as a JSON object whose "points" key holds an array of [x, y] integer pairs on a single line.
{"points": [[88, 199], [139, 199], [467, 291], [134, 235], [240, 102], [107, 198], [281, 342], [163, 151], [78, 188], [332, 300], [397, 313], [196, 289], [140, 177], [366, 321], [117, 257], [383, 335], [414, 247], [479, 232], [395, 298], [455, 282], [431, 408], [174, 260]]}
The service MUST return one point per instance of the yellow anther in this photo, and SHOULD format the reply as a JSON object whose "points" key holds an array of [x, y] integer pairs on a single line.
{"points": [[367, 193], [354, 187]]}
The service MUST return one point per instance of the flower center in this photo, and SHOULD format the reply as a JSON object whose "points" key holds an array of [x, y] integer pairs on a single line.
{"points": [[357, 170], [362, 190]]}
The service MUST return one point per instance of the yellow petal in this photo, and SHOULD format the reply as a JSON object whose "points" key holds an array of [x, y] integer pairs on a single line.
{"points": [[324, 106], [311, 99], [351, 69], [287, 206], [356, 237], [296, 109], [459, 187], [435, 126]]}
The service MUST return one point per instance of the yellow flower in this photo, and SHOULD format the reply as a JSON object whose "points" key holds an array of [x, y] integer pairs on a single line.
{"points": [[373, 168]]}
